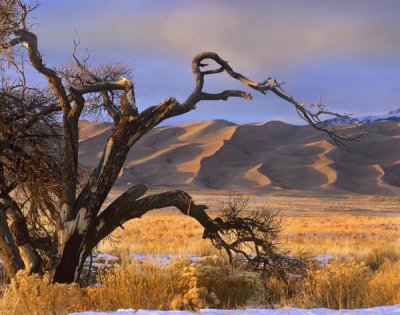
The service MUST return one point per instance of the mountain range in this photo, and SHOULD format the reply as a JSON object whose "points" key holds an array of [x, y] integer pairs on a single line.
{"points": [[393, 115], [265, 157]]}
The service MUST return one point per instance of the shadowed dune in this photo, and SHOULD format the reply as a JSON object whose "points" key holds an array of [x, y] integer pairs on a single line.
{"points": [[274, 156]]}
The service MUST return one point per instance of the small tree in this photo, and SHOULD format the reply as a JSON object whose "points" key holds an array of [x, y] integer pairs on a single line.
{"points": [[59, 219]]}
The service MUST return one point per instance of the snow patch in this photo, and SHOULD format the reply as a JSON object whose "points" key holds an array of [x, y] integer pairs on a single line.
{"points": [[324, 259], [392, 115], [163, 259], [386, 310]]}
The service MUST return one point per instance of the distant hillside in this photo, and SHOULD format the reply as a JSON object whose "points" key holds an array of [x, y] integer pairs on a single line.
{"points": [[255, 157]]}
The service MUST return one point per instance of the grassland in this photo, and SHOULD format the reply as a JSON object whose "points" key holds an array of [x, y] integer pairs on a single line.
{"points": [[360, 233], [339, 226]]}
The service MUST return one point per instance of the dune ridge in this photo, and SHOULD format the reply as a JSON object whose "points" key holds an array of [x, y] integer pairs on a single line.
{"points": [[272, 156]]}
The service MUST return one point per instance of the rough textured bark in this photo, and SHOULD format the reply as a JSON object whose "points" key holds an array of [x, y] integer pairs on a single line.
{"points": [[19, 230], [9, 253]]}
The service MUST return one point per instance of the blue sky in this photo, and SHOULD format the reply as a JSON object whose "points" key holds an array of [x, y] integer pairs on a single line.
{"points": [[348, 52]]}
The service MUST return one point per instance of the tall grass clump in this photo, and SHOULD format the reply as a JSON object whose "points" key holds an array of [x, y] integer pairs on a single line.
{"points": [[144, 285], [377, 256], [337, 285], [37, 295], [372, 280], [384, 288]]}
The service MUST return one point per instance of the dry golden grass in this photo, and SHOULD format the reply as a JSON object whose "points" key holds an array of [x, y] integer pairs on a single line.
{"points": [[208, 282], [350, 284], [137, 285], [160, 232], [179, 285], [340, 235], [339, 226], [364, 230], [170, 232], [362, 233], [288, 202], [384, 288], [339, 285], [36, 295]]}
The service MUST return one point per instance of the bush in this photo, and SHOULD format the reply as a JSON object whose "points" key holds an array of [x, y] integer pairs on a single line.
{"points": [[210, 282]]}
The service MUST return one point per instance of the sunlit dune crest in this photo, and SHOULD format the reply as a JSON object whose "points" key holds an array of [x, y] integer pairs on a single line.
{"points": [[255, 158]]}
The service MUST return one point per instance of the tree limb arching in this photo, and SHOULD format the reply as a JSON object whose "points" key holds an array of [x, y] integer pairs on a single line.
{"points": [[235, 232], [311, 113]]}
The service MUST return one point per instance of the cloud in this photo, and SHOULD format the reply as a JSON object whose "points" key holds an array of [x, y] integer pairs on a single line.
{"points": [[276, 35], [346, 50], [250, 33]]}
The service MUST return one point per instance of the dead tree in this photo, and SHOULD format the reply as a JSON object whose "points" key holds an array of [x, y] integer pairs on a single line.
{"points": [[30, 174], [79, 219]]}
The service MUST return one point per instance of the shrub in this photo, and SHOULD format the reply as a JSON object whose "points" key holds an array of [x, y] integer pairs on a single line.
{"points": [[210, 282]]}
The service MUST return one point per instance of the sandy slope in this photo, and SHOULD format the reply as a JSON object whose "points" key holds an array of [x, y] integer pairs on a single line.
{"points": [[255, 157]]}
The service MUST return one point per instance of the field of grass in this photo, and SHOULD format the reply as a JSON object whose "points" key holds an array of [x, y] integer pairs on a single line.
{"points": [[338, 226], [359, 234]]}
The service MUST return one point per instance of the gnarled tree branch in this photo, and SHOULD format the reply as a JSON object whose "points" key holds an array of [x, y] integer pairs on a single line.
{"points": [[251, 235], [305, 111]]}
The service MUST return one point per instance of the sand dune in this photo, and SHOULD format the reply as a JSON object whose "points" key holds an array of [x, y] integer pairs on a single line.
{"points": [[274, 156]]}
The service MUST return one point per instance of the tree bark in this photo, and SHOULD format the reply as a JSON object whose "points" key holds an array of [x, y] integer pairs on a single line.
{"points": [[19, 230], [9, 253]]}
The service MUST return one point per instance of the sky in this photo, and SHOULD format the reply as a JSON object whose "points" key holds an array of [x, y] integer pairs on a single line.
{"points": [[346, 53]]}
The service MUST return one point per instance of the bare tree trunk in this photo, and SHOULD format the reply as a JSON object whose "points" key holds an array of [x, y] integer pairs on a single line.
{"points": [[75, 238], [72, 254]]}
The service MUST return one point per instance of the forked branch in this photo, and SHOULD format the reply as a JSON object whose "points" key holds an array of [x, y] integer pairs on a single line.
{"points": [[311, 113]]}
